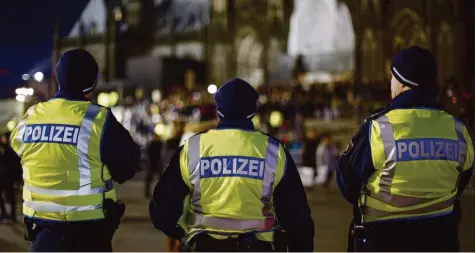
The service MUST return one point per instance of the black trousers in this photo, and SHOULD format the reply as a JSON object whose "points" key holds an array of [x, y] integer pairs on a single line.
{"points": [[206, 243], [91, 237], [438, 234]]}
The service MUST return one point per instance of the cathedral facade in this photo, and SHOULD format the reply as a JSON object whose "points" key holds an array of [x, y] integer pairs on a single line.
{"points": [[250, 38]]}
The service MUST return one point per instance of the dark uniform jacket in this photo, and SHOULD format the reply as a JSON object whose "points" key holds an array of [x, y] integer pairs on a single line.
{"points": [[290, 202]]}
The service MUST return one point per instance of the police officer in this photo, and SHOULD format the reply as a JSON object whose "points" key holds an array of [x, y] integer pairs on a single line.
{"points": [[230, 188], [71, 150], [407, 167]]}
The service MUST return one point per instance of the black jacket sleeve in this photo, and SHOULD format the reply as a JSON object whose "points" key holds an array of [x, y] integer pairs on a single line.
{"points": [[118, 150], [465, 177], [292, 209], [355, 165], [167, 203]]}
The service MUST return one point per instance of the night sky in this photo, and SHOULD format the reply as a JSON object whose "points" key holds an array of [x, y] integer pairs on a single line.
{"points": [[26, 36]]}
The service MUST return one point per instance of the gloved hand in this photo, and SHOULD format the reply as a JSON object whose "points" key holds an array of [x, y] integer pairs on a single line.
{"points": [[173, 245]]}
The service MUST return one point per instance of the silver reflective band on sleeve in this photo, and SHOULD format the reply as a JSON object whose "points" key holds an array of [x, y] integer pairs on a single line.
{"points": [[63, 193], [48, 207], [21, 130], [199, 220], [193, 165], [271, 165], [461, 144], [389, 147], [83, 146]]}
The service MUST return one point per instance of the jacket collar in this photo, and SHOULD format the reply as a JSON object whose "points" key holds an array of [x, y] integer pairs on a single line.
{"points": [[70, 95], [244, 124], [414, 99]]}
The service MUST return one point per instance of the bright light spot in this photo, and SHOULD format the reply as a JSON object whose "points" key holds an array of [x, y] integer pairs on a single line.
{"points": [[156, 96], [103, 99], [154, 109], [156, 118], [159, 129], [25, 91], [212, 89], [11, 125], [113, 98], [196, 96], [276, 119], [20, 98], [139, 93], [25, 77], [449, 93], [256, 122], [117, 14], [263, 99], [38, 76]]}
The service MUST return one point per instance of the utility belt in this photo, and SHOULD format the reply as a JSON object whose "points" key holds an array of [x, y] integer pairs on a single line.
{"points": [[113, 210], [243, 242]]}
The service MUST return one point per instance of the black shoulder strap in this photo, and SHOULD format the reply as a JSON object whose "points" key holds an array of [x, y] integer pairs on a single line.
{"points": [[377, 113]]}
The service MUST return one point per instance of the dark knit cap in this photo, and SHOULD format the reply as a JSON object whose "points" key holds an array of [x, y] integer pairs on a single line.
{"points": [[77, 71], [415, 67], [236, 99]]}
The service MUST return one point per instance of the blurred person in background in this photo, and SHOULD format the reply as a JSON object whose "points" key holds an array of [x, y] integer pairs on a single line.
{"points": [[309, 150], [10, 177], [334, 153], [406, 169], [324, 158], [226, 189], [154, 153], [71, 151]]}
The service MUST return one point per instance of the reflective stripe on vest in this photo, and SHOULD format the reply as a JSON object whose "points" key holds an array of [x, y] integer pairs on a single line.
{"points": [[389, 148], [64, 193], [271, 164], [21, 130], [234, 224], [49, 207], [427, 209], [83, 146]]}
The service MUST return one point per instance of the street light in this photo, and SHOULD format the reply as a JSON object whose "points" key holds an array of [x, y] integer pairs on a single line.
{"points": [[25, 91], [212, 89], [38, 76], [20, 98], [25, 77]]}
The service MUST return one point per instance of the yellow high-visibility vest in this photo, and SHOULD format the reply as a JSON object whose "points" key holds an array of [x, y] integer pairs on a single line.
{"points": [[418, 155], [231, 175], [58, 142]]}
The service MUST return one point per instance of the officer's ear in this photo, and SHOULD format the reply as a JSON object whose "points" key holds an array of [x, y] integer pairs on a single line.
{"points": [[403, 88]]}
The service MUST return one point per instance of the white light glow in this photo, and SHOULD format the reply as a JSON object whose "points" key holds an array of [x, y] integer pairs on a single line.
{"points": [[212, 89], [38, 76], [156, 96], [25, 91], [25, 77], [20, 98]]}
